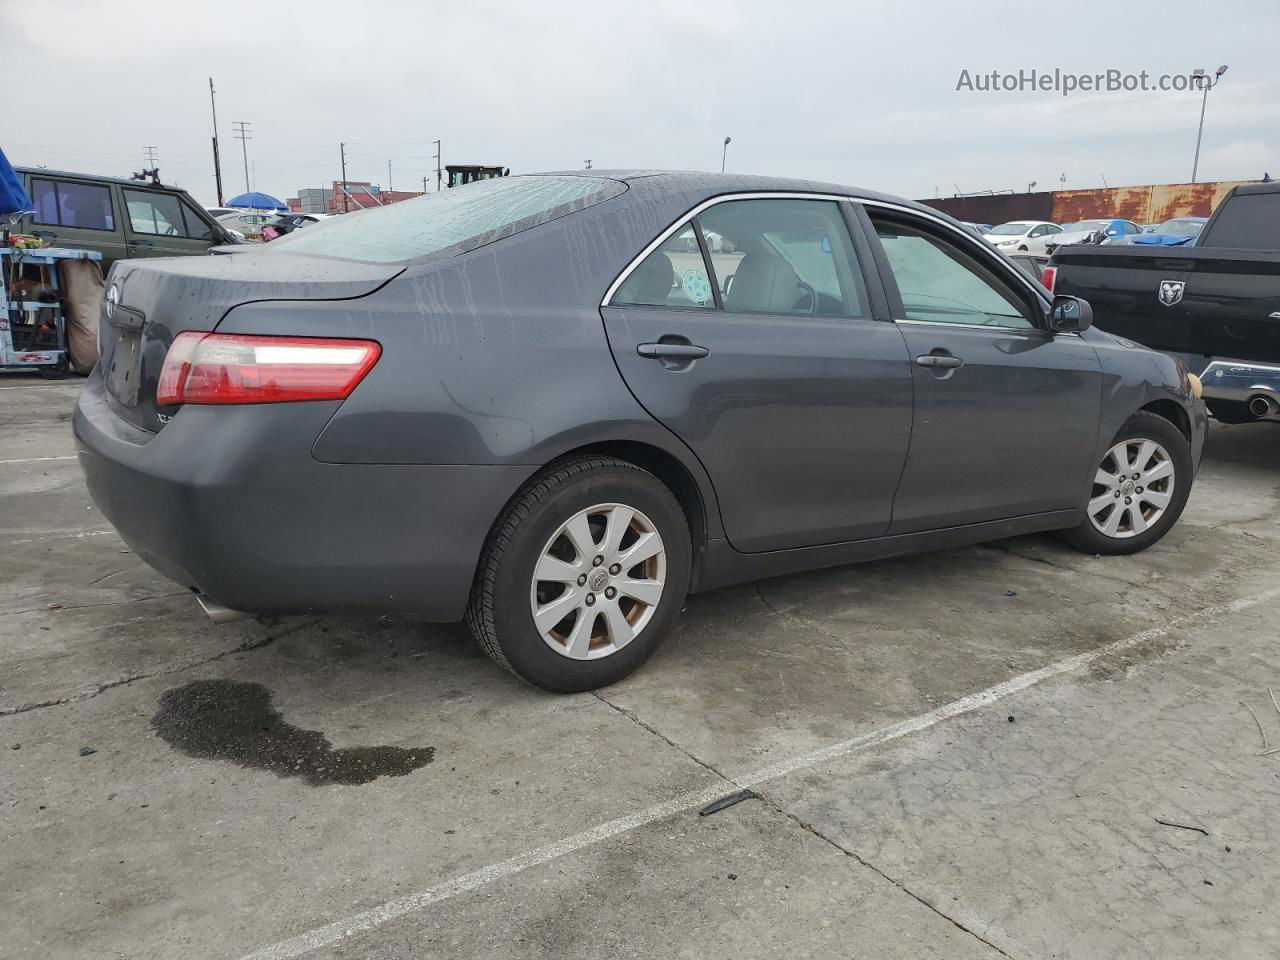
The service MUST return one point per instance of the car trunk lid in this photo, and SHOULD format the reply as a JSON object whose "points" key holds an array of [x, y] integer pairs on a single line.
{"points": [[148, 303]]}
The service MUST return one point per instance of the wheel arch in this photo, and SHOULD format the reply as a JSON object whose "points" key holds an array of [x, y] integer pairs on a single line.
{"points": [[696, 503], [666, 467], [1172, 411]]}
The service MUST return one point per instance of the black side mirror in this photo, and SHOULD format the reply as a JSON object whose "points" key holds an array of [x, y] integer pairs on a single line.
{"points": [[1070, 315]]}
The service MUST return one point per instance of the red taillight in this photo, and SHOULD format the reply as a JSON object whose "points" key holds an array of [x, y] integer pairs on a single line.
{"points": [[1047, 276], [234, 368]]}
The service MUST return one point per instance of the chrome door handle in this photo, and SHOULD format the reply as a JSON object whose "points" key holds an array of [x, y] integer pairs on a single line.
{"points": [[935, 360], [672, 351]]}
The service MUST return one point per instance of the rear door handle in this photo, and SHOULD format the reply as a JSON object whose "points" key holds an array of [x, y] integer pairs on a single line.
{"points": [[141, 243], [48, 234], [672, 351], [935, 360]]}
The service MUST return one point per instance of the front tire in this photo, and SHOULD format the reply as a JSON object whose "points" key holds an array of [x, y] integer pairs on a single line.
{"points": [[1138, 490], [582, 575]]}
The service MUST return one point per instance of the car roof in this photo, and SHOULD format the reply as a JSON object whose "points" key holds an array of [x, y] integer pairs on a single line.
{"points": [[126, 181], [718, 183]]}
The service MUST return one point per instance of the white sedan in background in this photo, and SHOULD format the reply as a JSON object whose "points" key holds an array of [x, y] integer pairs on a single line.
{"points": [[1022, 236]]}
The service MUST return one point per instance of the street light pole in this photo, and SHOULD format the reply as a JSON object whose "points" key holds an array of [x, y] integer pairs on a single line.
{"points": [[1205, 85], [724, 152]]}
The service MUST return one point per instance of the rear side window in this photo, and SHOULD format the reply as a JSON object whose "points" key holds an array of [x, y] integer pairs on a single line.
{"points": [[62, 203], [674, 275], [1248, 222], [784, 256], [451, 221]]}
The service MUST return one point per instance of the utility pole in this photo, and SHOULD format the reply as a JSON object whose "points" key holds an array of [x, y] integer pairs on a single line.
{"points": [[151, 157], [588, 163], [342, 149], [389, 188], [438, 175], [217, 160], [424, 184], [725, 152], [243, 134], [1206, 85]]}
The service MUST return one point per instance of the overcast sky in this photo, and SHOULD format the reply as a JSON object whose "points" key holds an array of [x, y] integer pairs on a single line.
{"points": [[855, 92]]}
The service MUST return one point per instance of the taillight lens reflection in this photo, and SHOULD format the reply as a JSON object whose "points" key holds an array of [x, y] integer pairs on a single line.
{"points": [[219, 368]]}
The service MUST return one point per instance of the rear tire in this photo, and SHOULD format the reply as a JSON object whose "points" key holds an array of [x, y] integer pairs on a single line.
{"points": [[1132, 504], [588, 527]]}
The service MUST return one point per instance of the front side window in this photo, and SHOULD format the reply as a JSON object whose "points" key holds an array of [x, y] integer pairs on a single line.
{"points": [[451, 221], [65, 204], [197, 229], [674, 275], [784, 256], [157, 214], [940, 283]]}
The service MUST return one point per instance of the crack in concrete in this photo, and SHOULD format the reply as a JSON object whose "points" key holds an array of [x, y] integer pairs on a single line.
{"points": [[756, 794], [95, 690], [645, 725], [814, 831], [105, 603], [802, 622]]}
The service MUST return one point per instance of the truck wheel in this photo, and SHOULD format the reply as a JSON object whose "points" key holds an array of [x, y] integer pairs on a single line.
{"points": [[1138, 490], [582, 575]]}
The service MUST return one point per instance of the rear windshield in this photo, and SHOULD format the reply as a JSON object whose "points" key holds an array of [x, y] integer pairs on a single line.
{"points": [[453, 220], [1010, 229]]}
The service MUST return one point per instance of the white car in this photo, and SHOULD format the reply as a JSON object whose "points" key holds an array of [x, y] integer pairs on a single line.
{"points": [[248, 222], [1022, 236]]}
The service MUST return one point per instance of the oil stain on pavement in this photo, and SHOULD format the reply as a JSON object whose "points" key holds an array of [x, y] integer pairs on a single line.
{"points": [[233, 720]]}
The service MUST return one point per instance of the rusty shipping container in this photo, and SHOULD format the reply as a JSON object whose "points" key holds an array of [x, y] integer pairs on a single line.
{"points": [[1152, 203]]}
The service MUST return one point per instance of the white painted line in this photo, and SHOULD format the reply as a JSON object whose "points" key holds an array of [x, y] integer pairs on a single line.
{"points": [[37, 459], [393, 909], [80, 535]]}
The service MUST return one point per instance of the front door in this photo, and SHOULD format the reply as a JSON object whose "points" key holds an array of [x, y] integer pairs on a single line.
{"points": [[157, 225], [1006, 412], [751, 334]]}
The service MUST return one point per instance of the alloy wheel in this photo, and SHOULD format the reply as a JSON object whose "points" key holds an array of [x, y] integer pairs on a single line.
{"points": [[598, 581], [1131, 489]]}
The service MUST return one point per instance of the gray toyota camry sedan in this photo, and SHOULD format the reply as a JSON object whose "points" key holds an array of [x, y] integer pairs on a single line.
{"points": [[554, 405]]}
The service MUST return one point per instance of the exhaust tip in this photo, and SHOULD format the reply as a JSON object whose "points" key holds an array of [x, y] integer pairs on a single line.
{"points": [[1261, 406], [220, 614]]}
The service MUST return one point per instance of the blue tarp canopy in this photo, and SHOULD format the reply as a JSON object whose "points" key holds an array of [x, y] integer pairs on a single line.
{"points": [[13, 199], [256, 201]]}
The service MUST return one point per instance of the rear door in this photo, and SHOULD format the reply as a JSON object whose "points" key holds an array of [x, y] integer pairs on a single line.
{"points": [[156, 225], [1006, 412], [770, 359], [77, 213]]}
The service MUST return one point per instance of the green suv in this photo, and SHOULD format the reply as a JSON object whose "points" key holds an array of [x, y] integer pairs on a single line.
{"points": [[119, 218]]}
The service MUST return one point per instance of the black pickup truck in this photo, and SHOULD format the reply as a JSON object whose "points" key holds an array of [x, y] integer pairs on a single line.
{"points": [[1214, 305]]}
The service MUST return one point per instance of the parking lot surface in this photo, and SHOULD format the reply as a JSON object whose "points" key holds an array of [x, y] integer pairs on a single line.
{"points": [[1010, 750]]}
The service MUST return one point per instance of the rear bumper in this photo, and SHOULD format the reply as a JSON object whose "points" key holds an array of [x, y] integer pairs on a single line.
{"points": [[1235, 381], [230, 502]]}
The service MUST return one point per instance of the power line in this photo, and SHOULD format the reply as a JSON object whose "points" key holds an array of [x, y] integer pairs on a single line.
{"points": [[243, 135]]}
